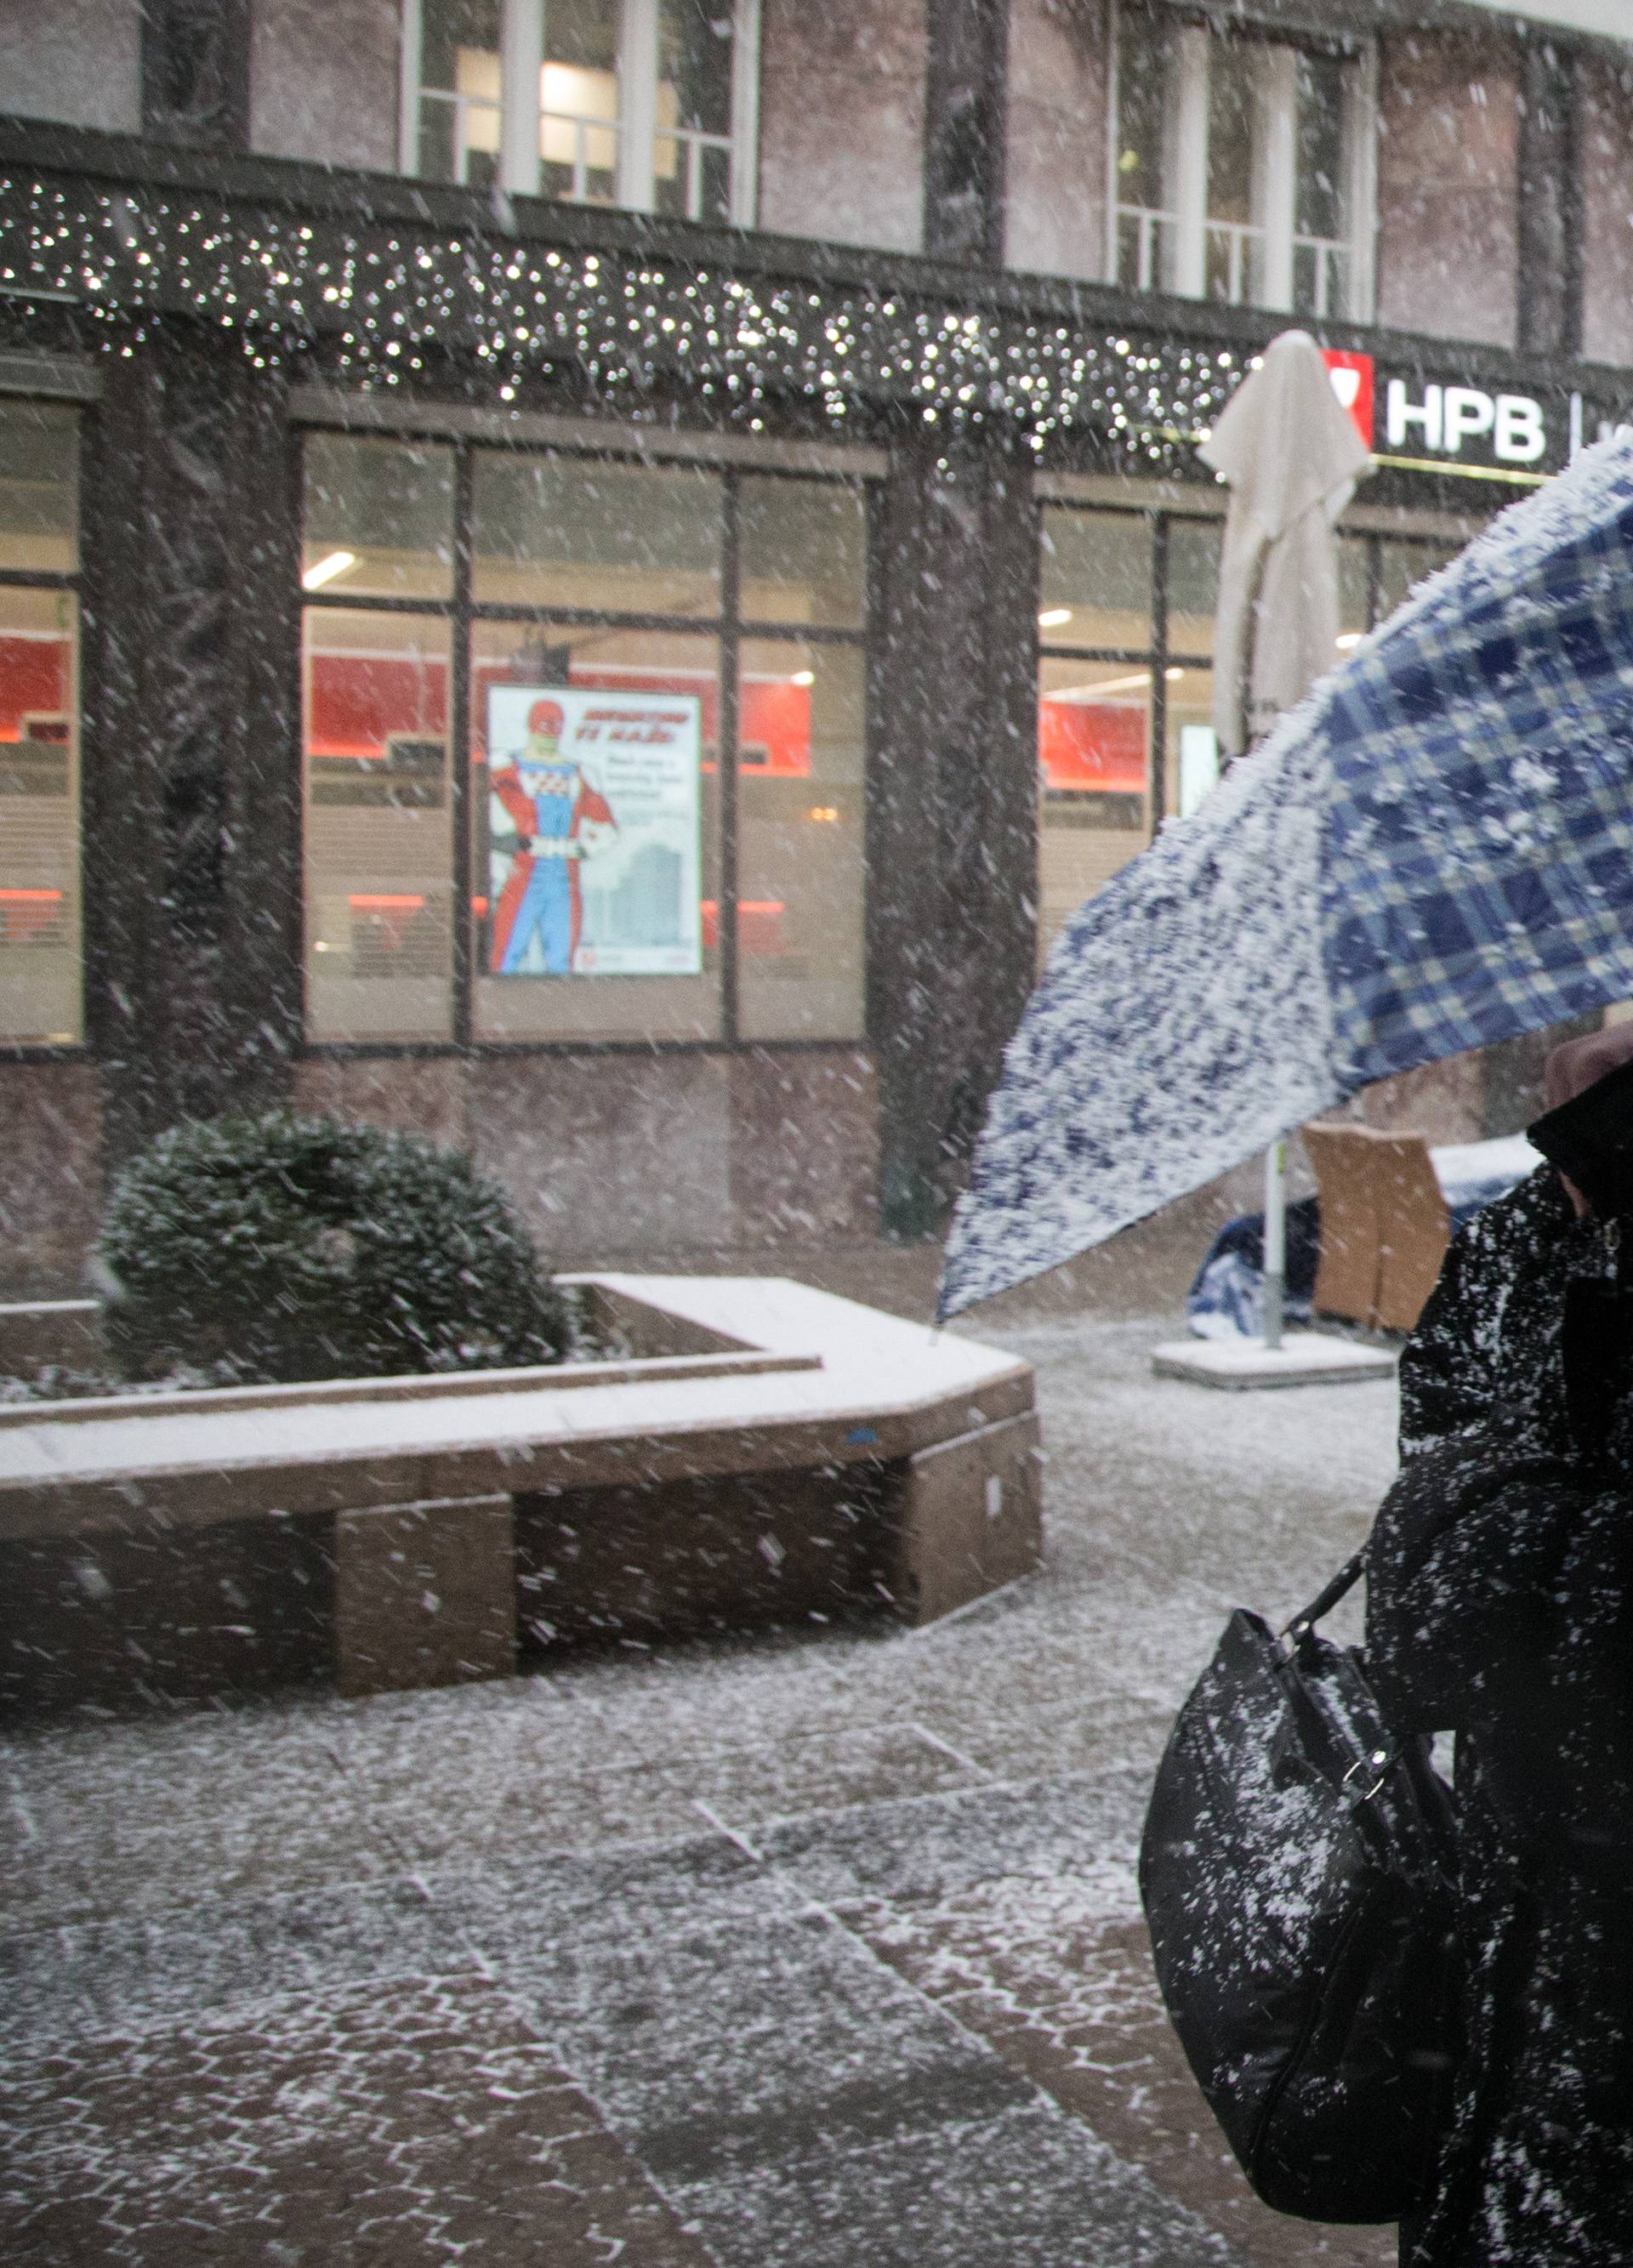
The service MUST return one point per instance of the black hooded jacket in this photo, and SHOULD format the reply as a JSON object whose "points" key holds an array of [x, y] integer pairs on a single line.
{"points": [[1500, 1585]]}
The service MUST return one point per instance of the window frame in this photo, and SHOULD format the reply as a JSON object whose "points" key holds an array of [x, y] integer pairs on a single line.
{"points": [[728, 627], [522, 57], [1184, 269]]}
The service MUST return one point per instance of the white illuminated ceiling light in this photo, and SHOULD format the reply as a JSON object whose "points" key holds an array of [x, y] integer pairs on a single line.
{"points": [[326, 569], [1051, 617]]}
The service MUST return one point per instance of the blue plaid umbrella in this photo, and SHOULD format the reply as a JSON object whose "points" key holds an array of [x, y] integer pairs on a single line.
{"points": [[1433, 851]]}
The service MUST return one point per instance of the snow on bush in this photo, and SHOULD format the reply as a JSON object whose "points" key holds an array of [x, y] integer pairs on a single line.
{"points": [[276, 1247]]}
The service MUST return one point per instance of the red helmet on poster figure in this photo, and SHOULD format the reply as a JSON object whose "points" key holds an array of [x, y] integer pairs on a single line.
{"points": [[546, 718]]}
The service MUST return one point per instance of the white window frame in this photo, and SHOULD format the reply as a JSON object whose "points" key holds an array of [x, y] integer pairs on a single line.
{"points": [[521, 55], [1172, 242]]}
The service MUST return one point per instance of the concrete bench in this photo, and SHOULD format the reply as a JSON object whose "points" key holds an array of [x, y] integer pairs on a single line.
{"points": [[767, 1451]]}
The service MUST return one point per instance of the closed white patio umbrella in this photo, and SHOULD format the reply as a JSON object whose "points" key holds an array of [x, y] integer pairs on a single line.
{"points": [[1292, 455]]}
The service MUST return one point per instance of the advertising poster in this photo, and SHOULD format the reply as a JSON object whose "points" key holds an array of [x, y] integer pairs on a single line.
{"points": [[593, 832]]}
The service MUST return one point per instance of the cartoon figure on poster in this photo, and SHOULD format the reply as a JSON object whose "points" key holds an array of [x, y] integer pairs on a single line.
{"points": [[594, 842], [560, 819]]}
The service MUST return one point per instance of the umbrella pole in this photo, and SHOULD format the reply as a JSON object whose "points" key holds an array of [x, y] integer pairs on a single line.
{"points": [[1276, 1241]]}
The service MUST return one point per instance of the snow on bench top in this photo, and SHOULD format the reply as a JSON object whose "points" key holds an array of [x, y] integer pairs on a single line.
{"points": [[868, 1365]]}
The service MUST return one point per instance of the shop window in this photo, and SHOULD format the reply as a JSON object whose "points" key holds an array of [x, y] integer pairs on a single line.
{"points": [[801, 830], [643, 716], [804, 549], [648, 104], [40, 965], [570, 531], [378, 845], [378, 518], [1242, 167]]}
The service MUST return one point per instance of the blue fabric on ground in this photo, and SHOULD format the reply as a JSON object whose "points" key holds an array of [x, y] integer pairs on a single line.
{"points": [[1227, 1295]]}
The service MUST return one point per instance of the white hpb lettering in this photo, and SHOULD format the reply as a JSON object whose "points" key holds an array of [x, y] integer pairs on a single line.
{"points": [[1520, 436], [1400, 414]]}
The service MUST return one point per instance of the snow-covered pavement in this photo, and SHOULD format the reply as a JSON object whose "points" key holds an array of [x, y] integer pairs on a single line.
{"points": [[818, 1948]]}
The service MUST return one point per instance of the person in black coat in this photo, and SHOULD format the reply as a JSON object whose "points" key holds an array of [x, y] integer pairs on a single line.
{"points": [[1500, 1580]]}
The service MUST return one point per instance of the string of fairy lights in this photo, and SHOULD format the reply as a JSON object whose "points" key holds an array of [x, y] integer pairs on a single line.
{"points": [[386, 295]]}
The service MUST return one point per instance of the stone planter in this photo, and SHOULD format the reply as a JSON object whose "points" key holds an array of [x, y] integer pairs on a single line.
{"points": [[766, 1453]]}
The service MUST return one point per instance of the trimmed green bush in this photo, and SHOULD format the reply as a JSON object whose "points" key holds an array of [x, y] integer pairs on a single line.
{"points": [[276, 1247]]}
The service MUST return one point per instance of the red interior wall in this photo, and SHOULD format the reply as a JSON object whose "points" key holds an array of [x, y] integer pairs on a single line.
{"points": [[1092, 745]]}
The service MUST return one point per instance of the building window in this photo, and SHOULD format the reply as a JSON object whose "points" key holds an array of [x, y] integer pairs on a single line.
{"points": [[1125, 696], [1242, 167], [41, 982], [649, 104], [628, 701]]}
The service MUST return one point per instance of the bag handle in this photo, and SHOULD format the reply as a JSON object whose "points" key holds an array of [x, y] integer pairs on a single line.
{"points": [[1347, 1576]]}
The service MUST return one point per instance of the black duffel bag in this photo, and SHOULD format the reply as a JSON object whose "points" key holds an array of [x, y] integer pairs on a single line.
{"points": [[1298, 1869]]}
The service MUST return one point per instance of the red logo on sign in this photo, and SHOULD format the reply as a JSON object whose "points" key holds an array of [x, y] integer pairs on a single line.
{"points": [[1352, 382]]}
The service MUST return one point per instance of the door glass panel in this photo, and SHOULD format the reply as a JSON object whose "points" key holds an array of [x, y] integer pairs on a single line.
{"points": [[378, 844], [802, 741]]}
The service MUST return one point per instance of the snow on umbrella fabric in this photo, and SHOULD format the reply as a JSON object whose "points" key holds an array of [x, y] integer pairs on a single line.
{"points": [[1432, 853], [1292, 456]]}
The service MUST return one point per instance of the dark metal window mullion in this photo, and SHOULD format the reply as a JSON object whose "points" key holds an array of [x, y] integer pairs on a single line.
{"points": [[1374, 578], [726, 756], [1159, 669], [459, 751]]}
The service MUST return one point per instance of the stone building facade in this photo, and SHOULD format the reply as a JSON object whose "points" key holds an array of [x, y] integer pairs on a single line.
{"points": [[805, 401]]}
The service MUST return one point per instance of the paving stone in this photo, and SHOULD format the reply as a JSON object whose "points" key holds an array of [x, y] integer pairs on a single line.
{"points": [[713, 2047], [1056, 1976], [416, 2123], [1026, 2189], [482, 1797], [104, 1819], [132, 1972], [923, 1848]]}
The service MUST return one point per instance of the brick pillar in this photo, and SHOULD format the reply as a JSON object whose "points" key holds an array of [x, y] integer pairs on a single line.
{"points": [[1550, 219], [192, 784], [965, 116], [952, 824]]}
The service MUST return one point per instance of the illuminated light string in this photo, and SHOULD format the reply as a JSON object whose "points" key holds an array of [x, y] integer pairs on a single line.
{"points": [[389, 292]]}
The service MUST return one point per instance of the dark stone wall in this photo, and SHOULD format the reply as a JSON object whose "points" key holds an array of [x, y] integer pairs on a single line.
{"points": [[952, 822], [1448, 175], [192, 800]]}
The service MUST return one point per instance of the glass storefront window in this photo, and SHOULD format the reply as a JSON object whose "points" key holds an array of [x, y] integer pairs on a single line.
{"points": [[1191, 755], [801, 786], [38, 488], [804, 552], [1095, 580], [571, 531], [1402, 564], [378, 841], [378, 518], [594, 797], [1193, 549], [1094, 731], [40, 948], [584, 768]]}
